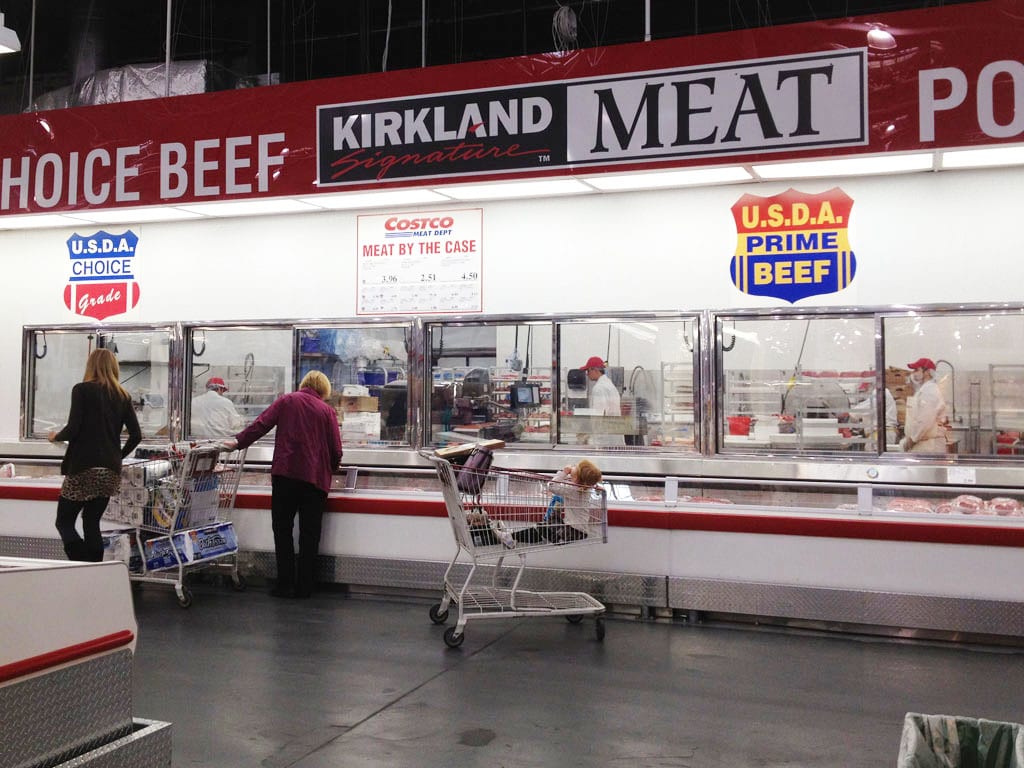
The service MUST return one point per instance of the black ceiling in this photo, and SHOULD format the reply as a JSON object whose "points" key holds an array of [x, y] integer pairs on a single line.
{"points": [[310, 39]]}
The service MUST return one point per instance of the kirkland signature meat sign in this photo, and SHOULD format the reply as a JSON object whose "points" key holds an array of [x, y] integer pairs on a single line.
{"points": [[793, 102]]}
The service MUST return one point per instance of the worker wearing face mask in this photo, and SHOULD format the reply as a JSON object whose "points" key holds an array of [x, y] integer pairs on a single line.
{"points": [[926, 411]]}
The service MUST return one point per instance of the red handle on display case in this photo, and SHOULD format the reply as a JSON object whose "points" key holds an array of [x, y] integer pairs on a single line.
{"points": [[64, 655]]}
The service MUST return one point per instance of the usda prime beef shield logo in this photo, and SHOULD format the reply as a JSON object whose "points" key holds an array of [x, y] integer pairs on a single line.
{"points": [[102, 281], [793, 245]]}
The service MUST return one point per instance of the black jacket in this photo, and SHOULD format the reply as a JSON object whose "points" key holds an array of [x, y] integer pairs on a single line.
{"points": [[94, 426]]}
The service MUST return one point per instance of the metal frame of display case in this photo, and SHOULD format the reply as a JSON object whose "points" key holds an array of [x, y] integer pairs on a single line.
{"points": [[866, 467]]}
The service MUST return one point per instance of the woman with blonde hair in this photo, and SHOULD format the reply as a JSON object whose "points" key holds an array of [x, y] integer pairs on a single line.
{"points": [[100, 409], [307, 450]]}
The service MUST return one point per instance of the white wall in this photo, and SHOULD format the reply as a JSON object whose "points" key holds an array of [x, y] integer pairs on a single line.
{"points": [[946, 237]]}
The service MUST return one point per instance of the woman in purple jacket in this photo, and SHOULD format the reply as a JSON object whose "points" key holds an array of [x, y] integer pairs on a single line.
{"points": [[307, 450]]}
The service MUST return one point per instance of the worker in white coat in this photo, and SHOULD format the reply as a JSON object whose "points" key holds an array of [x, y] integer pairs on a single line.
{"points": [[925, 430], [603, 401], [862, 411], [214, 415]]}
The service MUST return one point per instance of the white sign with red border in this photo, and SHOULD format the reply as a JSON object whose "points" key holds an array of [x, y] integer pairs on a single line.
{"points": [[419, 262]]}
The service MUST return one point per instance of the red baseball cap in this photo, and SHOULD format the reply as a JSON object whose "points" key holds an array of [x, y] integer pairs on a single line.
{"points": [[216, 382], [924, 362], [593, 362]]}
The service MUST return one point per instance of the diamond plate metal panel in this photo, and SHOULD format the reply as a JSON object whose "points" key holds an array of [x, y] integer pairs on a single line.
{"points": [[613, 588], [26, 546], [57, 716], [148, 746], [884, 609]]}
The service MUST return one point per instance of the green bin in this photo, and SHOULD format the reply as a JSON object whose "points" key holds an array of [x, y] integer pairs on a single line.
{"points": [[944, 741]]}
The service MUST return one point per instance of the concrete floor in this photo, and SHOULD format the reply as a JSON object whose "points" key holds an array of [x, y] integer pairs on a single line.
{"points": [[250, 681]]}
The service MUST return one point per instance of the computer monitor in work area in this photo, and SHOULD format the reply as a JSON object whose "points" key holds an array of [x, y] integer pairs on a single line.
{"points": [[524, 395]]}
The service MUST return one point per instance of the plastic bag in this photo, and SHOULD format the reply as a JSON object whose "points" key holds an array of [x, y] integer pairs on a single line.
{"points": [[943, 741]]}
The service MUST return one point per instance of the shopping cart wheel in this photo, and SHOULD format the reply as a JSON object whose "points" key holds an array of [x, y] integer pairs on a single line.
{"points": [[184, 597], [451, 639], [574, 618], [599, 629], [437, 615], [238, 583]]}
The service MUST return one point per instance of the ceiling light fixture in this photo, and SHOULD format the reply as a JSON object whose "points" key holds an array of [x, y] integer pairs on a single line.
{"points": [[663, 179], [349, 200], [983, 158], [847, 166], [515, 189], [9, 42], [880, 39], [249, 207], [132, 215]]}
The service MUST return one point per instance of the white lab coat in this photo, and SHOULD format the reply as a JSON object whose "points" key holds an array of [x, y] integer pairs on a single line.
{"points": [[926, 415], [213, 415], [604, 399], [863, 409]]}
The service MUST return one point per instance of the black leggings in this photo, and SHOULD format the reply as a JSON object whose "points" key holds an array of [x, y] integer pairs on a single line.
{"points": [[89, 549]]}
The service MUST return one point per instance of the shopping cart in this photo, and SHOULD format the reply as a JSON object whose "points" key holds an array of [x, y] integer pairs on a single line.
{"points": [[496, 513], [177, 500]]}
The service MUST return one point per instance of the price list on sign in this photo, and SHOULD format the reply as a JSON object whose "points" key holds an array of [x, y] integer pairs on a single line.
{"points": [[419, 262]]}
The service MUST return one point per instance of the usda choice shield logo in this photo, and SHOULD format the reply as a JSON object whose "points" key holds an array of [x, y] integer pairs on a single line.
{"points": [[793, 245], [102, 281]]}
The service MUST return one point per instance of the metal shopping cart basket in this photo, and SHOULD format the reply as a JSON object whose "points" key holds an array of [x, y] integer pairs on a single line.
{"points": [[177, 500], [497, 513]]}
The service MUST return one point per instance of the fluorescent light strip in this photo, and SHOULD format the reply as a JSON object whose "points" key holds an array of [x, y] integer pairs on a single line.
{"points": [[249, 207], [133, 215], [375, 199], [515, 189], [661, 180], [38, 221], [983, 158], [847, 166]]}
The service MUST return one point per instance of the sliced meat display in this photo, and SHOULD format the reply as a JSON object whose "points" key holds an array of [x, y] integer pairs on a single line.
{"points": [[966, 504], [910, 505], [1003, 505]]}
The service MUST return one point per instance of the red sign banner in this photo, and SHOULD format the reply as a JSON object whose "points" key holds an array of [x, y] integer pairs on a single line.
{"points": [[915, 80]]}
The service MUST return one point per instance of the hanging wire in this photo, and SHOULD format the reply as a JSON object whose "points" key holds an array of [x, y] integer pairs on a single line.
{"points": [[35, 351], [728, 347], [387, 42], [198, 350]]}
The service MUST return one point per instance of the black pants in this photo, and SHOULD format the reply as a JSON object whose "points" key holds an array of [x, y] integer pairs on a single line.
{"points": [[89, 549], [288, 498], [548, 533]]}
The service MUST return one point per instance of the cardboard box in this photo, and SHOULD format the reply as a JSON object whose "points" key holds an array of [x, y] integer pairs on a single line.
{"points": [[458, 452], [355, 404], [360, 426]]}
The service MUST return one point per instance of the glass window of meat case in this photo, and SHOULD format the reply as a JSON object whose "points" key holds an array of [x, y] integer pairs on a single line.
{"points": [[368, 367], [490, 381], [957, 381], [233, 375], [798, 384], [628, 384], [57, 360]]}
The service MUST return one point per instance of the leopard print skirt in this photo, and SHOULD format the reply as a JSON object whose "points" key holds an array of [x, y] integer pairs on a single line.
{"points": [[91, 483]]}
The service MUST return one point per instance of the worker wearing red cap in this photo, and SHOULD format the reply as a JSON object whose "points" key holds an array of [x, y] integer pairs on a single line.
{"points": [[213, 414], [603, 401], [925, 430]]}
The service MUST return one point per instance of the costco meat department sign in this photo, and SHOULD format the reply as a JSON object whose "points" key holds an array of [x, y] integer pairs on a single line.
{"points": [[423, 262]]}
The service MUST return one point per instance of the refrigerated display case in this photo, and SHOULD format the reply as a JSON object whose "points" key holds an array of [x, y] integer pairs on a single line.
{"points": [[693, 524]]}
